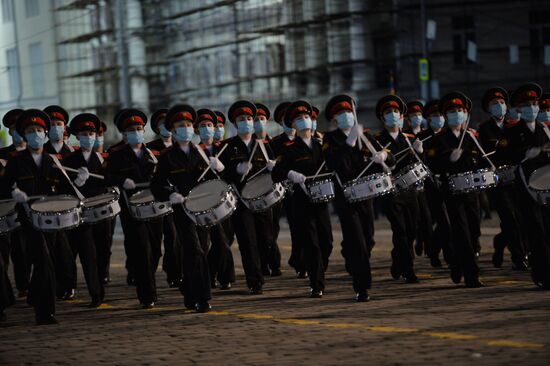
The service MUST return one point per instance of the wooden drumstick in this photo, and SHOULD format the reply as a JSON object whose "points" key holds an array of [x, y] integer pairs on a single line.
{"points": [[209, 168], [29, 198], [76, 171], [251, 156]]}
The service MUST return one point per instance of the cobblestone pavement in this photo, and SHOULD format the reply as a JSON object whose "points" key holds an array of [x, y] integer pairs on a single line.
{"points": [[434, 322]]}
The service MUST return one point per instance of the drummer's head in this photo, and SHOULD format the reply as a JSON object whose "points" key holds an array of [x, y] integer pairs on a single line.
{"points": [[414, 113], [58, 119], [260, 121], [298, 117], [85, 126], [32, 124], [206, 120], [242, 113], [526, 100], [220, 126], [455, 106], [279, 116], [180, 120], [339, 111], [131, 123], [9, 120], [390, 109], [544, 105], [433, 115]]}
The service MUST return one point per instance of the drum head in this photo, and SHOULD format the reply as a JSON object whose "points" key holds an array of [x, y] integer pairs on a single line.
{"points": [[7, 207], [206, 195], [55, 204], [540, 179], [144, 196], [258, 186], [99, 199]]}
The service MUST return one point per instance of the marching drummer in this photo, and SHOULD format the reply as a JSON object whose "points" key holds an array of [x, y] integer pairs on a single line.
{"points": [[31, 172], [99, 145], [220, 257], [348, 160], [171, 261], [456, 152], [316, 134], [56, 133], [180, 167], [241, 159], [85, 237], [301, 158], [130, 164], [502, 197], [401, 207], [527, 144], [219, 127]]}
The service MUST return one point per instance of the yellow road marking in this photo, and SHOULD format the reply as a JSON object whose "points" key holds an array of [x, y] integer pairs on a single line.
{"points": [[514, 344], [450, 335], [298, 321], [254, 316], [105, 306], [391, 329], [424, 275], [220, 313]]}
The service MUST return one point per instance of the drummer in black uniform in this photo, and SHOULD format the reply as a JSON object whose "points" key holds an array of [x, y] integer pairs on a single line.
{"points": [[32, 171], [127, 165], [347, 159], [177, 173], [85, 126], [502, 197], [452, 157], [527, 144], [220, 257], [302, 158], [56, 133], [171, 262], [14, 243], [401, 207]]}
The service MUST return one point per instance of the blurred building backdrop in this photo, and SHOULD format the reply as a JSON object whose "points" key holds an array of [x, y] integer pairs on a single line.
{"points": [[101, 55]]}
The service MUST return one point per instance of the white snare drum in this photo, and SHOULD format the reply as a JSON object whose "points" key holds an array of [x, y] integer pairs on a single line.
{"points": [[374, 185], [210, 203], [472, 181], [143, 206], [259, 194], [100, 207], [539, 184], [506, 174], [8, 217], [320, 190], [410, 176], [54, 213]]}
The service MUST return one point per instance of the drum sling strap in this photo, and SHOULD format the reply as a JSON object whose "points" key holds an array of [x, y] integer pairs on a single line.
{"points": [[60, 167]]}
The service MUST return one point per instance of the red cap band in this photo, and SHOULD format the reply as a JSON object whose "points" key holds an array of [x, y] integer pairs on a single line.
{"points": [[240, 111], [57, 116], [342, 106], [181, 116], [202, 117]]}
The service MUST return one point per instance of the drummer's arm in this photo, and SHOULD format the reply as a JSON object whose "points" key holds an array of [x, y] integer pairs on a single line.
{"points": [[159, 181], [339, 159], [281, 169], [113, 168]]}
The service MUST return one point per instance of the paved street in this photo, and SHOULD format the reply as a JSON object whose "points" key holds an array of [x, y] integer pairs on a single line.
{"points": [[434, 322]]}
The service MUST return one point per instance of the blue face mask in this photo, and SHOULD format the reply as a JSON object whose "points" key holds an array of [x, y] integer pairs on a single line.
{"points": [[56, 133], [135, 137], [260, 126], [35, 139], [164, 132], [183, 134], [314, 125], [345, 120], [87, 142], [98, 141], [529, 112], [393, 119], [513, 114], [206, 133], [543, 117], [456, 118], [498, 110], [437, 122], [302, 124], [17, 139], [245, 127], [220, 131], [416, 120], [288, 130]]}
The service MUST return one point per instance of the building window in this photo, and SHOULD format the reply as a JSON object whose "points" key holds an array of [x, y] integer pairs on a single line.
{"points": [[36, 69], [7, 11], [539, 34], [31, 8], [463, 31], [13, 73]]}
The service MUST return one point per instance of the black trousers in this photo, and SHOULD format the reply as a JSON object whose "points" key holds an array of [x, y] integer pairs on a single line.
{"points": [[358, 239], [82, 239], [244, 224], [441, 238], [103, 238], [402, 213], [536, 219], [463, 210], [424, 235], [126, 224], [171, 261], [196, 274], [6, 292], [504, 200], [315, 235], [270, 255], [16, 246], [296, 259], [220, 257], [65, 264], [156, 228]]}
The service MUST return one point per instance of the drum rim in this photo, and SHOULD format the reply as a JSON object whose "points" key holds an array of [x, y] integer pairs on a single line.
{"points": [[78, 207], [224, 196], [224, 199], [111, 201], [268, 193], [534, 172]]}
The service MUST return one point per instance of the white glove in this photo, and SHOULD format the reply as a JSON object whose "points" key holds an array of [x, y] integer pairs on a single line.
{"points": [[19, 196], [418, 146], [532, 152], [296, 177], [129, 184], [243, 168], [176, 198], [355, 132], [379, 157], [83, 175], [216, 164], [271, 164], [455, 155]]}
